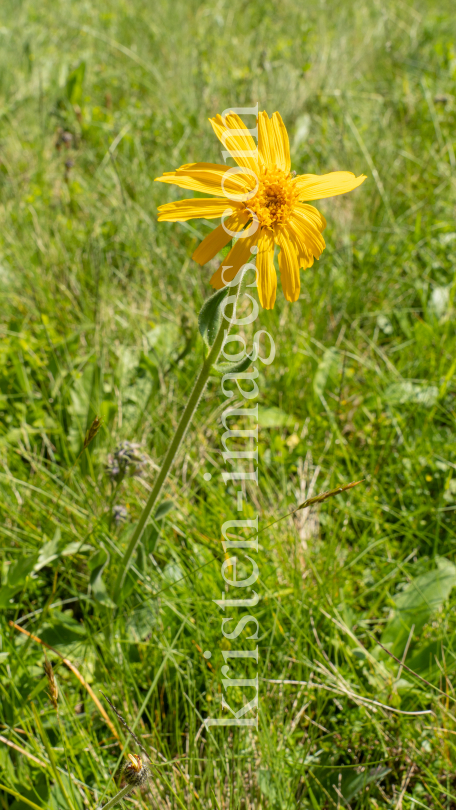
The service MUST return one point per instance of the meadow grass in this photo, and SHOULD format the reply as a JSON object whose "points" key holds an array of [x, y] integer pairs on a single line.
{"points": [[99, 311]]}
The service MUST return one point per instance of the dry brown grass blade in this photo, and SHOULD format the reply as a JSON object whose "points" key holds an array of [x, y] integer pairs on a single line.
{"points": [[75, 671], [53, 688], [23, 751]]}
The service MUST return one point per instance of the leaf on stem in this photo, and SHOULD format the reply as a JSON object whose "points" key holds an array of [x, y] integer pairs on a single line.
{"points": [[210, 316]]}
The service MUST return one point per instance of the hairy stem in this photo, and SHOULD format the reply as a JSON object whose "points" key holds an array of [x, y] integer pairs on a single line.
{"points": [[173, 449], [117, 798]]}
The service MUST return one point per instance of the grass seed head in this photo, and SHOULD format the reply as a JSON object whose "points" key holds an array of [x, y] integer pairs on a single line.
{"points": [[92, 431]]}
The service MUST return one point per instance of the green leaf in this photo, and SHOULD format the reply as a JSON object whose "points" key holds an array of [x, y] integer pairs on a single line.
{"points": [[50, 551], [7, 593], [20, 570], [275, 417], [127, 587], [416, 604], [266, 785], [210, 316], [229, 368], [163, 509], [149, 538], [16, 578], [142, 621], [63, 631], [354, 785], [406, 392], [97, 565], [99, 590], [425, 660], [75, 548]]}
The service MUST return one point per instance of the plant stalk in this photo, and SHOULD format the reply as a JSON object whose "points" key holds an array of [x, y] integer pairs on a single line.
{"points": [[173, 449], [118, 797]]}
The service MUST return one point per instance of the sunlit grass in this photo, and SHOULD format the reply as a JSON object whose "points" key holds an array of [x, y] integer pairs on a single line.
{"points": [[99, 309]]}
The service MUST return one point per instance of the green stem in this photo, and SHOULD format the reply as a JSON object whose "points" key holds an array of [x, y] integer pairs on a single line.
{"points": [[173, 449], [118, 797]]}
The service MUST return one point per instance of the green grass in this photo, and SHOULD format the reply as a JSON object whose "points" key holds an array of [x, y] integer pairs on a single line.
{"points": [[99, 311]]}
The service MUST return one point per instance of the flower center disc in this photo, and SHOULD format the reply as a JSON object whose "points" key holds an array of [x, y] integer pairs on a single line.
{"points": [[275, 198]]}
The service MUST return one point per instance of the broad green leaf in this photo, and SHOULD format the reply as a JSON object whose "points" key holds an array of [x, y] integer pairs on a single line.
{"points": [[99, 590], [51, 551], [163, 509], [354, 784], [16, 578], [48, 551], [63, 631], [425, 660], [417, 603], [149, 538], [163, 339], [7, 593], [97, 565], [99, 560], [275, 417], [266, 784], [210, 316], [75, 548], [21, 569], [241, 365], [142, 621], [350, 784], [406, 392]]}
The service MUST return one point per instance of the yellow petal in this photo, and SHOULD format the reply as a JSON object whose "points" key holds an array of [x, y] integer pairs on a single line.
{"points": [[316, 186], [266, 140], [304, 256], [306, 223], [313, 215], [218, 238], [266, 274], [288, 265], [238, 255], [237, 142], [281, 143], [208, 177], [208, 208]]}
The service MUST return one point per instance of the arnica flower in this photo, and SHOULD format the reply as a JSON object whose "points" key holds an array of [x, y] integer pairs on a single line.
{"points": [[266, 201]]}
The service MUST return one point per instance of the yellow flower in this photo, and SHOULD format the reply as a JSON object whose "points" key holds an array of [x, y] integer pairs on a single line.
{"points": [[265, 200]]}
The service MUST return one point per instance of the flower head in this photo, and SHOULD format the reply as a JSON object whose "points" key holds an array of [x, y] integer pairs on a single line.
{"points": [[136, 770], [266, 206], [119, 514], [126, 460]]}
